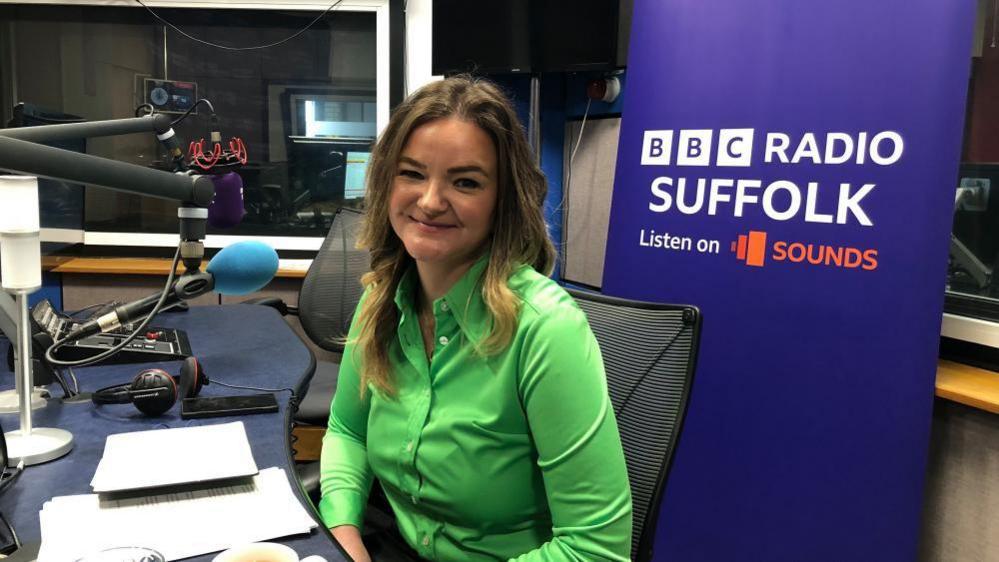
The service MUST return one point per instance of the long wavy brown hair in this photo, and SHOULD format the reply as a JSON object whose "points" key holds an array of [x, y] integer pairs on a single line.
{"points": [[519, 234]]}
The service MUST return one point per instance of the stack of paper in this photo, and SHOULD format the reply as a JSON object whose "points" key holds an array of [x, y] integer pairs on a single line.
{"points": [[177, 525], [182, 492], [166, 457]]}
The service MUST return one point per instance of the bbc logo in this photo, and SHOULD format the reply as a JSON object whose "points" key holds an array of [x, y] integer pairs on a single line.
{"points": [[694, 147]]}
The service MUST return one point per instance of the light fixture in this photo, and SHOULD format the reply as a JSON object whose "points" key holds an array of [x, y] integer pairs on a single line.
{"points": [[20, 251], [20, 275]]}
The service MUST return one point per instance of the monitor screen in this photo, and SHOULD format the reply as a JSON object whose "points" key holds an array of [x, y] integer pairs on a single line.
{"points": [[481, 37], [575, 35], [357, 166]]}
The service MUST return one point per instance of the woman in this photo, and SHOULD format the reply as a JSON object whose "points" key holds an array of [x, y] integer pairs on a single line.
{"points": [[471, 385]]}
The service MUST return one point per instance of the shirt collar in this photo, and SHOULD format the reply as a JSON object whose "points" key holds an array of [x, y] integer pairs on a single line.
{"points": [[464, 299]]}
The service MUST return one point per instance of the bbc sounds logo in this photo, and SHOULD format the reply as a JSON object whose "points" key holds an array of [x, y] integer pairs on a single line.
{"points": [[753, 249]]}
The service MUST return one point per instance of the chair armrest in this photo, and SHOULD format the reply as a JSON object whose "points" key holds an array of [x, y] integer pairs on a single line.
{"points": [[308, 474], [275, 303]]}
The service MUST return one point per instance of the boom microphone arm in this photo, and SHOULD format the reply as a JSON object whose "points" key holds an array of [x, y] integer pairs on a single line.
{"points": [[55, 163], [19, 153], [158, 123]]}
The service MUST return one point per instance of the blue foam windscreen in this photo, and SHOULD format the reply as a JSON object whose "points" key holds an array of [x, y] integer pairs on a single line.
{"points": [[243, 267]]}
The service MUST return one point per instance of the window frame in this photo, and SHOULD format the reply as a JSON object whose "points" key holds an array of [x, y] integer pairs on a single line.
{"points": [[383, 57]]}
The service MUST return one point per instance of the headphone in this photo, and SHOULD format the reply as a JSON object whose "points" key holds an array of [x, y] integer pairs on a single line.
{"points": [[154, 391]]}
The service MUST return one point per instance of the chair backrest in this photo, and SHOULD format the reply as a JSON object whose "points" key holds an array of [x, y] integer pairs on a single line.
{"points": [[332, 287], [649, 352]]}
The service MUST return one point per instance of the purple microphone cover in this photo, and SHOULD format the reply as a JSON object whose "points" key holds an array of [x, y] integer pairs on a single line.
{"points": [[226, 209]]}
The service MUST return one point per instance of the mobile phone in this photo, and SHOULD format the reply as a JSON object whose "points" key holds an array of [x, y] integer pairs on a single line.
{"points": [[215, 406]]}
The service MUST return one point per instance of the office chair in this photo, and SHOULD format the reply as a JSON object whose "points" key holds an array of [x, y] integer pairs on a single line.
{"points": [[326, 302], [649, 352]]}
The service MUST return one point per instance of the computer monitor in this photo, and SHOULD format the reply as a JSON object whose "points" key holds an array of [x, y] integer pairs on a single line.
{"points": [[324, 173], [357, 167]]}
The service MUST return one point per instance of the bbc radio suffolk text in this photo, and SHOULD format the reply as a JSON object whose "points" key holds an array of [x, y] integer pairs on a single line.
{"points": [[780, 199]]}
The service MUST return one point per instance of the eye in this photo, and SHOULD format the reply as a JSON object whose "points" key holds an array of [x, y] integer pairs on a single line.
{"points": [[411, 174], [467, 183]]}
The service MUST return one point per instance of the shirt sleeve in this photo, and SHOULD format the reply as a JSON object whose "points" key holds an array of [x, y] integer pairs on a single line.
{"points": [[345, 476], [564, 391]]}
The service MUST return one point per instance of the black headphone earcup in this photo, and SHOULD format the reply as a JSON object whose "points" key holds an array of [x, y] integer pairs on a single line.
{"points": [[115, 394], [153, 392], [192, 378]]}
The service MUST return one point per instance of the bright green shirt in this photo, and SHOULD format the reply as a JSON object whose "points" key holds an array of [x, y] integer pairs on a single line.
{"points": [[512, 456]]}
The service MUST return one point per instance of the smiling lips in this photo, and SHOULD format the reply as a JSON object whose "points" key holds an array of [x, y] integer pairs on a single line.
{"points": [[431, 227]]}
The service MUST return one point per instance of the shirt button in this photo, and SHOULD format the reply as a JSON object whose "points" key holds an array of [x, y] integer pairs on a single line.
{"points": [[426, 540], [413, 499], [444, 306], [443, 340], [409, 446]]}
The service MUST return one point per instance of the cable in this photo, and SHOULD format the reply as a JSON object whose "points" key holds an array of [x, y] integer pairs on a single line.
{"points": [[55, 121], [86, 308], [7, 479], [76, 383], [580, 138], [50, 352], [261, 389], [192, 108], [292, 403], [67, 392], [148, 106], [217, 46], [563, 205]]}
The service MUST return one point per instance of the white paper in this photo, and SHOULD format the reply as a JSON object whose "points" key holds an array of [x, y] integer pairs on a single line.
{"points": [[177, 525], [182, 455]]}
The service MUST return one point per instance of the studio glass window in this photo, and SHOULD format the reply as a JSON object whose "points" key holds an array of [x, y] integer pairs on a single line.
{"points": [[304, 109], [971, 318]]}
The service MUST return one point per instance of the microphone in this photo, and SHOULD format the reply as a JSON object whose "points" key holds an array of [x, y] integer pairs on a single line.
{"points": [[168, 138], [238, 269], [226, 209], [243, 267]]}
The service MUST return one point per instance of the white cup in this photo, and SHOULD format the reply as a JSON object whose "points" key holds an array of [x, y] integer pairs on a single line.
{"points": [[263, 552]]}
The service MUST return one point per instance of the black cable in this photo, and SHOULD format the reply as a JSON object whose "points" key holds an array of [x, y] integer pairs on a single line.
{"points": [[7, 479], [217, 46], [86, 308], [192, 108], [13, 533], [292, 403], [67, 392], [50, 352], [261, 389], [54, 120], [3, 448]]}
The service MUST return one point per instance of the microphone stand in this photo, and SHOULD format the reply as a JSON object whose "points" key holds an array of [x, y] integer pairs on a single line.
{"points": [[10, 401], [19, 152]]}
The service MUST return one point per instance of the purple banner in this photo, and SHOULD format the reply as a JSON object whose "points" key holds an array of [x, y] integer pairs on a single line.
{"points": [[789, 167]]}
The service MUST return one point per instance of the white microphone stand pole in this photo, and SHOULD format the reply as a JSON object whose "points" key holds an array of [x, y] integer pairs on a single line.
{"points": [[9, 399], [21, 275]]}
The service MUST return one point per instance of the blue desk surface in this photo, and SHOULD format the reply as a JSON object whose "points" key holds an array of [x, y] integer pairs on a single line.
{"points": [[238, 344]]}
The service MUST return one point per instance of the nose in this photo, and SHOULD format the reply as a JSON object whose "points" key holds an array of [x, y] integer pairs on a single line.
{"points": [[433, 200]]}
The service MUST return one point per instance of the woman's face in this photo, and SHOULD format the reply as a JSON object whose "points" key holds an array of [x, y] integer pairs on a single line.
{"points": [[444, 192]]}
